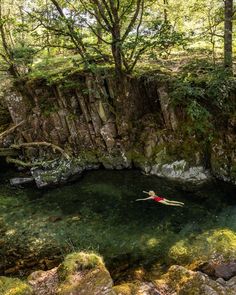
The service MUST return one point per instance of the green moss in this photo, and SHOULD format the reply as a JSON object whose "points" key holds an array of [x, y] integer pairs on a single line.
{"points": [[126, 289], [219, 242], [77, 262], [180, 252], [88, 157], [83, 273], [233, 170], [189, 150], [137, 158], [10, 286]]}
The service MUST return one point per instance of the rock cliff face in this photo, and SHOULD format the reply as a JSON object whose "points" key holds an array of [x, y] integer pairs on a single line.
{"points": [[92, 120]]}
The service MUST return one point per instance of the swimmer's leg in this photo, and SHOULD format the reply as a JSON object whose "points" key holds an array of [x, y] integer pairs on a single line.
{"points": [[174, 202], [171, 204]]}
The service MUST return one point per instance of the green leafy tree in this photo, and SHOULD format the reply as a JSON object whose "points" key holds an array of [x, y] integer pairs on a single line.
{"points": [[228, 27], [15, 50]]}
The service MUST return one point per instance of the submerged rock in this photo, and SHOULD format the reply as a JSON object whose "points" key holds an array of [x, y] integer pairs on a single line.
{"points": [[21, 180]]}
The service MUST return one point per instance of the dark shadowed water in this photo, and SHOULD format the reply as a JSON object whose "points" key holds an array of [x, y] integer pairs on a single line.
{"points": [[99, 213]]}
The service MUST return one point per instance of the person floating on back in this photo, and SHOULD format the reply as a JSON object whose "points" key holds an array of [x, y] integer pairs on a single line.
{"points": [[158, 199]]}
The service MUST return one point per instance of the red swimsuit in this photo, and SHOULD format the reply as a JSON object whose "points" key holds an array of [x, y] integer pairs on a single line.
{"points": [[158, 199]]}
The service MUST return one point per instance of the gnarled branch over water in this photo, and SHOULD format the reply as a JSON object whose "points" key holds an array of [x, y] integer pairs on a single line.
{"points": [[11, 129], [43, 143], [22, 163]]}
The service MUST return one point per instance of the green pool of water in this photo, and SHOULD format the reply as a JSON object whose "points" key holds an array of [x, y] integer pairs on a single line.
{"points": [[99, 213]]}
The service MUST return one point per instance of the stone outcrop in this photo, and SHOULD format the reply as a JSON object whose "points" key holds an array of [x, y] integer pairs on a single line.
{"points": [[138, 288], [56, 172], [217, 269], [181, 170], [223, 159], [99, 122], [85, 274], [80, 273], [181, 281]]}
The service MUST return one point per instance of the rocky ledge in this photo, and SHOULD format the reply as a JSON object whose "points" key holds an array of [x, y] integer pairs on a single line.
{"points": [[85, 274]]}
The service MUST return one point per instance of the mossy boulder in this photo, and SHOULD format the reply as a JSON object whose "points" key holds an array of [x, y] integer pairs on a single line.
{"points": [[137, 287], [126, 289], [79, 261], [79, 274], [44, 282], [186, 282], [56, 172], [84, 273], [12, 286], [212, 244]]}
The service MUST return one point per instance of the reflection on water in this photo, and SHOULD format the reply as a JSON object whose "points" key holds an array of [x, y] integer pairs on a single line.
{"points": [[99, 213]]}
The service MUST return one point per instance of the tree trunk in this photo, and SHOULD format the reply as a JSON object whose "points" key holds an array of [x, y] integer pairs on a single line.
{"points": [[165, 11], [116, 49], [228, 34], [117, 58]]}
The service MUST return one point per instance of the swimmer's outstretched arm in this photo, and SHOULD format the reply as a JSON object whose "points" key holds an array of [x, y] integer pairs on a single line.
{"points": [[144, 199]]}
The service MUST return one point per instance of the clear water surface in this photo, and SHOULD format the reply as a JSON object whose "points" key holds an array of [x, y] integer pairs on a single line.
{"points": [[99, 213]]}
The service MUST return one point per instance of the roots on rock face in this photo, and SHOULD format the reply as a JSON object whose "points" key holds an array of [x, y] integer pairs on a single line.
{"points": [[43, 143]]}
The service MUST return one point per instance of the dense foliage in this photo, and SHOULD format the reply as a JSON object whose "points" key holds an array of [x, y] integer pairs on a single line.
{"points": [[117, 32]]}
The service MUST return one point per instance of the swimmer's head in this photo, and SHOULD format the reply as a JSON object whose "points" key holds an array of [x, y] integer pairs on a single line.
{"points": [[151, 193]]}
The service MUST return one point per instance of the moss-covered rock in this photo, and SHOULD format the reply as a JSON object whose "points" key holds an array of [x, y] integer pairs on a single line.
{"points": [[55, 172], [126, 289], [10, 286], [44, 282], [80, 273], [137, 287], [223, 160], [84, 273], [185, 282], [115, 160], [214, 244], [79, 261]]}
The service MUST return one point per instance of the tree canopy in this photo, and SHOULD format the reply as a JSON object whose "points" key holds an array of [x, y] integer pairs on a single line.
{"points": [[121, 33]]}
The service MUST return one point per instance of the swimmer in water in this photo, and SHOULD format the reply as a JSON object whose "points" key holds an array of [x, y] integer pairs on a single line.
{"points": [[153, 196]]}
